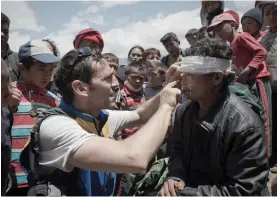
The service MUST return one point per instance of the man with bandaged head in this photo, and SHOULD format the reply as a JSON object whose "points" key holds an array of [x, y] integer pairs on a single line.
{"points": [[218, 141]]}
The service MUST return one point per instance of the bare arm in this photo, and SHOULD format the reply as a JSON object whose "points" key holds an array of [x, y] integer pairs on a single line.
{"points": [[130, 155], [134, 153]]}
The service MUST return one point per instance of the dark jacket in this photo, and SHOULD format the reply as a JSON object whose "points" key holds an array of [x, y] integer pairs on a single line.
{"points": [[11, 59], [224, 154]]}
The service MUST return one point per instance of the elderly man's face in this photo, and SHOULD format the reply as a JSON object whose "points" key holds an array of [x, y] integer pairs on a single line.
{"points": [[197, 87]]}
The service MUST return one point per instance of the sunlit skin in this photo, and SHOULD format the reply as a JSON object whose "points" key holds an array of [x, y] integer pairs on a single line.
{"points": [[153, 57], [155, 79], [172, 47], [250, 26]]}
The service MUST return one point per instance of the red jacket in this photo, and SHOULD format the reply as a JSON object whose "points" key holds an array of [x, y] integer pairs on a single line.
{"points": [[248, 52]]}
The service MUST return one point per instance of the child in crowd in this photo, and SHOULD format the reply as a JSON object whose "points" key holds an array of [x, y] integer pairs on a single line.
{"points": [[172, 45], [151, 54], [156, 76], [252, 22], [248, 57], [37, 70], [191, 36], [132, 94], [209, 10], [134, 56]]}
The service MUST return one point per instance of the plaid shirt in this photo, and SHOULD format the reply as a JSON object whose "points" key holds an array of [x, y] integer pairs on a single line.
{"points": [[130, 101]]}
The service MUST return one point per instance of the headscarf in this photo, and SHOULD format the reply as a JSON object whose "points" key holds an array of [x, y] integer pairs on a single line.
{"points": [[88, 34]]}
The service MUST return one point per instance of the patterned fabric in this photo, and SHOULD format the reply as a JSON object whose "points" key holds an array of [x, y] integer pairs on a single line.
{"points": [[130, 101], [33, 98], [149, 92]]}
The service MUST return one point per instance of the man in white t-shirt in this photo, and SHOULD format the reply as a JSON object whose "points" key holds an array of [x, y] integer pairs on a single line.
{"points": [[84, 80]]}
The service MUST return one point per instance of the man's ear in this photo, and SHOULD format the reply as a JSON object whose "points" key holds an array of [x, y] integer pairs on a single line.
{"points": [[218, 78], [79, 87]]}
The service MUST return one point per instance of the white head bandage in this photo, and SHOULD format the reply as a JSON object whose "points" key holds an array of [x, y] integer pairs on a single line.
{"points": [[204, 65]]}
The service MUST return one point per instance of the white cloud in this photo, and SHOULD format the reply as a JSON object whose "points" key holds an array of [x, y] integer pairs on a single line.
{"points": [[21, 15], [17, 39]]}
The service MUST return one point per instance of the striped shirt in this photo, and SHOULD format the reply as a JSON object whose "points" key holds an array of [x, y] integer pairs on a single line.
{"points": [[35, 98]]}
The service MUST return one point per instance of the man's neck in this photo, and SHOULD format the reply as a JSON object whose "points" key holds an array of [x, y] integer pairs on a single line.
{"points": [[83, 108]]}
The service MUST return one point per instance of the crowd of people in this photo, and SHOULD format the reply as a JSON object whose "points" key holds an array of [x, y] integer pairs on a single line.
{"points": [[198, 121]]}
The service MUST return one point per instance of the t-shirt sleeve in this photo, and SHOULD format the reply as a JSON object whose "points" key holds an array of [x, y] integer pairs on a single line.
{"points": [[120, 120], [60, 137]]}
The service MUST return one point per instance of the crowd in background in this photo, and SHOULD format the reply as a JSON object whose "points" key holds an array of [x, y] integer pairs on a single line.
{"points": [[254, 60]]}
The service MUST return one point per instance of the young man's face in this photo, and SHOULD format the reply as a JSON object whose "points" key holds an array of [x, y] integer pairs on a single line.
{"points": [[136, 79], [250, 26], [270, 15], [101, 94], [197, 87], [6, 86], [135, 55], [172, 47], [153, 57], [39, 74], [155, 79], [212, 6], [4, 35]]}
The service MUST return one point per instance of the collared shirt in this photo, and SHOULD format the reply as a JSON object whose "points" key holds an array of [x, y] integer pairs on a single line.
{"points": [[130, 100]]}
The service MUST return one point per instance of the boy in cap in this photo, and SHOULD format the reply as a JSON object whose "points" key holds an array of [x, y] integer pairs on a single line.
{"points": [[89, 38], [172, 45], [252, 22], [248, 57], [37, 63]]}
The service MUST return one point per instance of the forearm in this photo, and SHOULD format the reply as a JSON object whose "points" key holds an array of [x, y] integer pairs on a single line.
{"points": [[148, 109], [146, 141]]}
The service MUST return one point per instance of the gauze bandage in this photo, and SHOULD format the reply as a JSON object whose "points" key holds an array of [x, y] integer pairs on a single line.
{"points": [[204, 65]]}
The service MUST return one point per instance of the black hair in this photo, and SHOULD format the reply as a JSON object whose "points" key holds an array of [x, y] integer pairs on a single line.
{"points": [[28, 62], [134, 47], [137, 67], [212, 47], [70, 69], [156, 66], [168, 37], [54, 46], [110, 56], [150, 51], [191, 32], [5, 19]]}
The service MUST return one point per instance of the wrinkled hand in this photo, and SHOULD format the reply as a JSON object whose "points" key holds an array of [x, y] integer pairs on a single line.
{"points": [[170, 186], [170, 95], [15, 98], [173, 73]]}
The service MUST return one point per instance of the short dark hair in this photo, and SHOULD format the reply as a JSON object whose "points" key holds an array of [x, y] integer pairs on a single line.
{"points": [[212, 47], [134, 47], [169, 36], [69, 70], [110, 56], [54, 46], [150, 51], [137, 67], [156, 66], [28, 62], [5, 19], [191, 32]]}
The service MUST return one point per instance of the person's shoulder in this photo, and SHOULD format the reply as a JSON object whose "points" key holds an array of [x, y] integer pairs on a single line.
{"points": [[241, 113]]}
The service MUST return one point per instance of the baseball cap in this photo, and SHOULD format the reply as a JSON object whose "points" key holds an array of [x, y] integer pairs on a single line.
{"points": [[38, 50], [221, 18]]}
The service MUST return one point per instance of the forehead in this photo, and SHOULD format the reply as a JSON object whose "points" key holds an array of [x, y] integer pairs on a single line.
{"points": [[43, 66], [101, 69], [270, 8], [136, 51], [247, 19]]}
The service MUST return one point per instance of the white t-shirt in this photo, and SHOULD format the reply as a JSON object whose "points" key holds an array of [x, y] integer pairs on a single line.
{"points": [[61, 136]]}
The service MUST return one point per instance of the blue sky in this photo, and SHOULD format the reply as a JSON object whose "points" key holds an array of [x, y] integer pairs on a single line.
{"points": [[122, 23]]}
